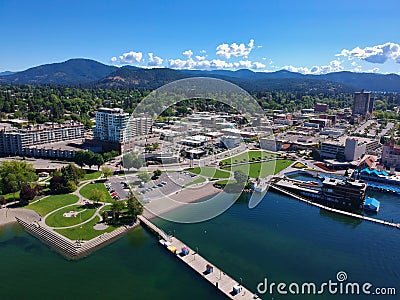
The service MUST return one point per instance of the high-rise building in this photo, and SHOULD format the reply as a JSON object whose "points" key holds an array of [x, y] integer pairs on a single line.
{"points": [[110, 125], [363, 105], [113, 125]]}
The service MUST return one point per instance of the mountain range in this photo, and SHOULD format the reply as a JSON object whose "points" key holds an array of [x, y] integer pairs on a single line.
{"points": [[86, 72]]}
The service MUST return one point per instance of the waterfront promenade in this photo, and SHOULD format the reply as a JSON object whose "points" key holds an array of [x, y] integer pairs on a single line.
{"points": [[218, 278]]}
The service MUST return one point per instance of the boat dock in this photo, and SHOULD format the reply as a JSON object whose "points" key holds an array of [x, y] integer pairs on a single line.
{"points": [[283, 191], [218, 278]]}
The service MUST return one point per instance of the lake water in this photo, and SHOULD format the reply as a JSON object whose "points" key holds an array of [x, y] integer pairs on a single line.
{"points": [[282, 239]]}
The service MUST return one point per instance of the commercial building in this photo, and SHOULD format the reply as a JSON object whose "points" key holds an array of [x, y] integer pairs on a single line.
{"points": [[320, 107], [230, 141], [391, 156], [363, 105], [27, 141], [348, 148]]}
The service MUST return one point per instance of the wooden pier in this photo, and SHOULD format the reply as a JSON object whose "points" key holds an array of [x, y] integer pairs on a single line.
{"points": [[283, 191], [218, 278]]}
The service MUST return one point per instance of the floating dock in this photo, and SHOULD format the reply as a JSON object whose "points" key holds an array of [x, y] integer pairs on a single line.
{"points": [[218, 278]]}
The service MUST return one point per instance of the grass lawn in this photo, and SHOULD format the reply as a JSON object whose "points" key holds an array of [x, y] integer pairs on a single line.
{"points": [[263, 169], [252, 155], [91, 175], [210, 172], [198, 180], [58, 220], [86, 191], [46, 205], [299, 165], [87, 232], [10, 197]]}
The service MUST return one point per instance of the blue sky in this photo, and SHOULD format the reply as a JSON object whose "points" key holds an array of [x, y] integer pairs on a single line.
{"points": [[305, 36]]}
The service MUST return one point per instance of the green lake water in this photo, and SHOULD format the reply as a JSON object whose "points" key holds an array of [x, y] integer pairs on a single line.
{"points": [[281, 239]]}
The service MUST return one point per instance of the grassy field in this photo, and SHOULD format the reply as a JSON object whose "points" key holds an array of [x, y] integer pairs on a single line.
{"points": [[210, 172], [86, 191], [91, 175], [87, 232], [10, 197], [58, 220], [198, 180], [252, 155], [46, 205], [263, 169]]}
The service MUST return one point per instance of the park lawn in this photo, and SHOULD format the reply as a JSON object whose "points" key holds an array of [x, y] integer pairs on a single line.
{"points": [[57, 219], [263, 169], [86, 191], [87, 232], [92, 175], [48, 204], [198, 180], [251, 155], [10, 197], [210, 172]]}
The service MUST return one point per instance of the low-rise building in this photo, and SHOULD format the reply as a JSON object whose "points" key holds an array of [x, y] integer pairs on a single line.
{"points": [[230, 141]]}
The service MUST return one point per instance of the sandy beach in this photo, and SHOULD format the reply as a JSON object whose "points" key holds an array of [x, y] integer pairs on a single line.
{"points": [[178, 199], [7, 215]]}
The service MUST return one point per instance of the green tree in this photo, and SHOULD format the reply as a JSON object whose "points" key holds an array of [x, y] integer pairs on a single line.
{"points": [[135, 208], [98, 160], [16, 174], [144, 176], [106, 172], [240, 177], [97, 196], [157, 173], [116, 208], [80, 158]]}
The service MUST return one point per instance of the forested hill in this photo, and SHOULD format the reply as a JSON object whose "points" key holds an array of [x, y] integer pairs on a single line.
{"points": [[90, 73]]}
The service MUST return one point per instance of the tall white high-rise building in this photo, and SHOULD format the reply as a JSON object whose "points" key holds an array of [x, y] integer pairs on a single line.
{"points": [[113, 125]]}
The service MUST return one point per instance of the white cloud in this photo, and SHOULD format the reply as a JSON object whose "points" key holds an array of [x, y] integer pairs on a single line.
{"points": [[203, 63], [130, 57], [241, 50], [113, 59], [378, 54], [154, 60], [258, 65], [334, 66], [187, 53], [203, 51], [198, 57]]}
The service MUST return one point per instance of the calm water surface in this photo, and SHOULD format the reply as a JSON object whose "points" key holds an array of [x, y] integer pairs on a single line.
{"points": [[281, 239]]}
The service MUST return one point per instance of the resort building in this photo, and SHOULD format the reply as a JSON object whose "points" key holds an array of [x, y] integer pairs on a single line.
{"points": [[39, 140], [346, 194], [115, 130]]}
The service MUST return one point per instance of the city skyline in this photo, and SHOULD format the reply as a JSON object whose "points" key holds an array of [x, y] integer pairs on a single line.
{"points": [[309, 37]]}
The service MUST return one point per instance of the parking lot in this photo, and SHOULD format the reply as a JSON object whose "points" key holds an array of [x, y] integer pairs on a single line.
{"points": [[168, 183], [118, 185]]}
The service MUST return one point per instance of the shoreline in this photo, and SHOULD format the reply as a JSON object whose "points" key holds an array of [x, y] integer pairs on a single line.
{"points": [[9, 215], [189, 194]]}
